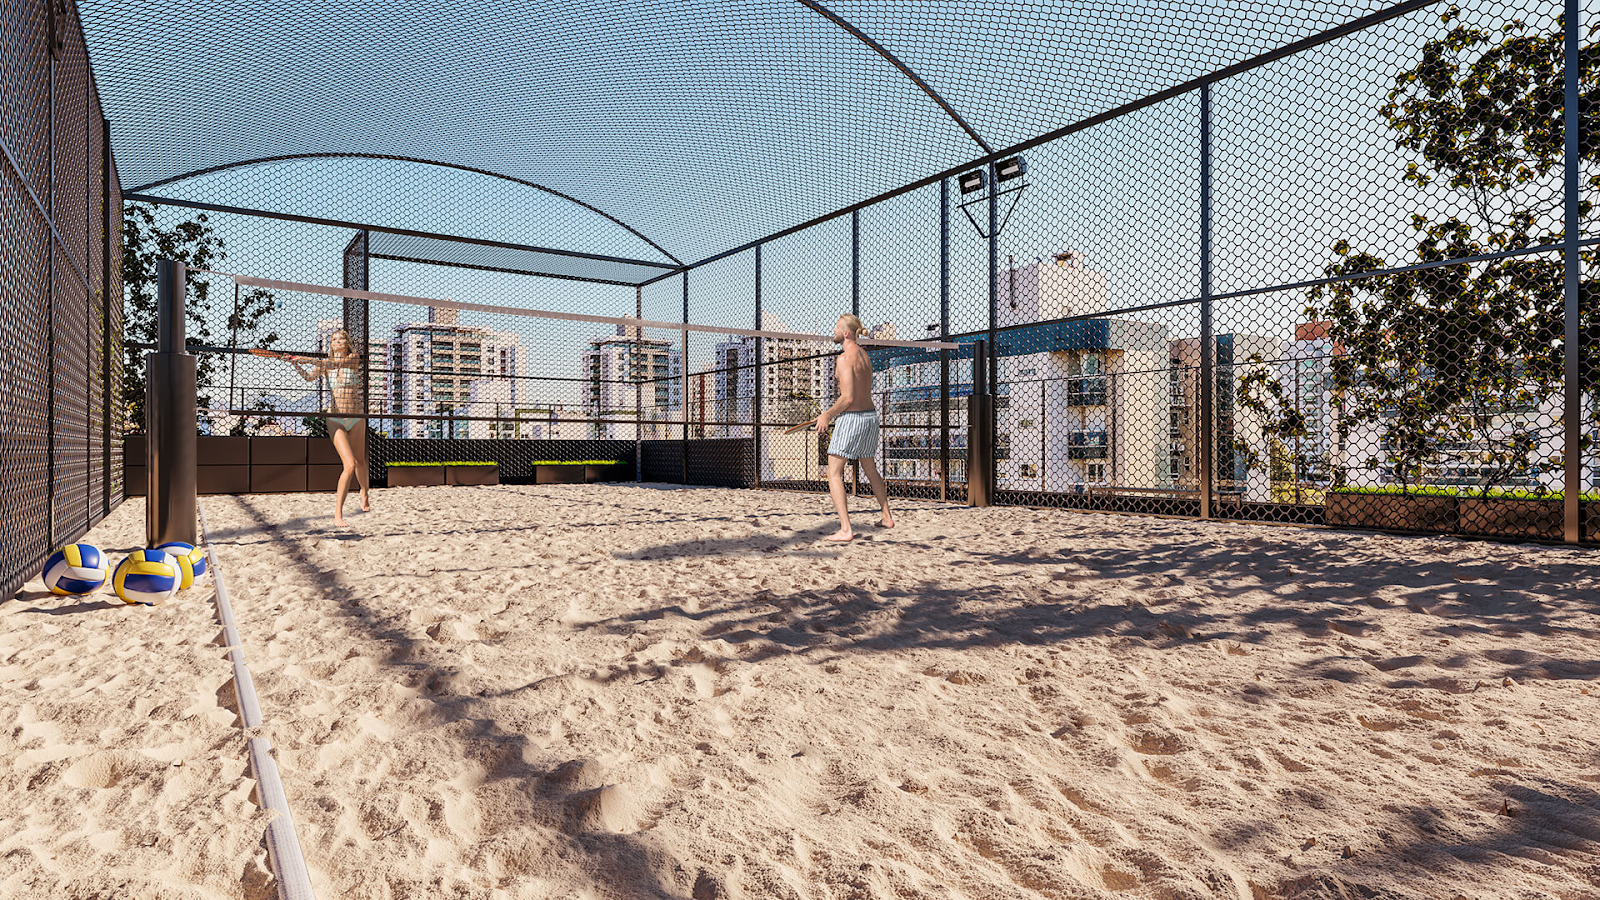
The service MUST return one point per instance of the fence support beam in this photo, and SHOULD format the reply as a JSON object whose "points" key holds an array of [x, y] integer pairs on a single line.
{"points": [[1205, 427], [855, 263], [1572, 414]]}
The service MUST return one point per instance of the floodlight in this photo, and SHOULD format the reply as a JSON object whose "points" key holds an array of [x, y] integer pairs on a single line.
{"points": [[1007, 169], [971, 182]]}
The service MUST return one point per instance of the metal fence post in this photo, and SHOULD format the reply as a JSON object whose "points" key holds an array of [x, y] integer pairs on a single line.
{"points": [[638, 385], [994, 279], [855, 263], [944, 335], [1572, 418], [755, 404], [1208, 462], [109, 402], [980, 431], [683, 372]]}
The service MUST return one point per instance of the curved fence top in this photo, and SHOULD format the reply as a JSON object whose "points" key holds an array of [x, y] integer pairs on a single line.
{"points": [[697, 126]]}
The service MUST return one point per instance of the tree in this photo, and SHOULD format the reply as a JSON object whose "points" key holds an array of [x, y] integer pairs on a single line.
{"points": [[195, 243], [1437, 362]]}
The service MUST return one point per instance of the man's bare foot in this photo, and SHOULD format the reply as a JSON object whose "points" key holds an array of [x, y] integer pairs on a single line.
{"points": [[887, 521], [841, 536], [339, 522]]}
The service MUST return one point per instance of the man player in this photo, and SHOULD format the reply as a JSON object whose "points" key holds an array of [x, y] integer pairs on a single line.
{"points": [[855, 426]]}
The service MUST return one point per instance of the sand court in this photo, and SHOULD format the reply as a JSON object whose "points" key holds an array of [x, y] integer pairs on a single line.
{"points": [[635, 691]]}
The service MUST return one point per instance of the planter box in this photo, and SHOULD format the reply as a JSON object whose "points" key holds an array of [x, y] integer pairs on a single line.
{"points": [[320, 452], [1399, 512], [559, 474], [222, 479], [472, 475], [278, 451], [278, 479], [134, 481], [1538, 519], [212, 450], [322, 477], [618, 472], [415, 476]]}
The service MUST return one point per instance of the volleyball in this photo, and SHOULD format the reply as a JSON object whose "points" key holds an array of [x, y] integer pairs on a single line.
{"points": [[147, 576], [191, 561], [75, 569]]}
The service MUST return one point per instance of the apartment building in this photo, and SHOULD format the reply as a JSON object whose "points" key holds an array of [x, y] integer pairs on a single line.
{"points": [[612, 366], [444, 369]]}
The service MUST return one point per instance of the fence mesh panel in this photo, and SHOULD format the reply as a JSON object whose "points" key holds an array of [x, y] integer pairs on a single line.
{"points": [[59, 474], [1303, 262]]}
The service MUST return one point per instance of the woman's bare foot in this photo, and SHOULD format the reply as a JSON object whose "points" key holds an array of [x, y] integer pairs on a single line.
{"points": [[841, 536], [887, 521], [339, 522], [366, 505]]}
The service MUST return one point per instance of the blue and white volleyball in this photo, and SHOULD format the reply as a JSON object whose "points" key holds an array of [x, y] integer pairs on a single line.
{"points": [[191, 560], [147, 576], [76, 569]]}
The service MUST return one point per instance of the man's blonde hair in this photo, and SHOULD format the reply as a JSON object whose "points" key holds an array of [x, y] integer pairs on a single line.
{"points": [[852, 322]]}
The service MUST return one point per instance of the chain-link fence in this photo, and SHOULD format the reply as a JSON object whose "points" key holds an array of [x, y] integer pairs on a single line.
{"points": [[60, 245], [1313, 266]]}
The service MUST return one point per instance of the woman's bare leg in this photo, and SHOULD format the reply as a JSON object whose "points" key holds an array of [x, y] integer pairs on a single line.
{"points": [[341, 443], [880, 490]]}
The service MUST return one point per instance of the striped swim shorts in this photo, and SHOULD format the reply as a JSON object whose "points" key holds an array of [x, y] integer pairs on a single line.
{"points": [[855, 434]]}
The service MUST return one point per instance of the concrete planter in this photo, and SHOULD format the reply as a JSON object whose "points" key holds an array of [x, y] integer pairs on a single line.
{"points": [[1399, 512]]}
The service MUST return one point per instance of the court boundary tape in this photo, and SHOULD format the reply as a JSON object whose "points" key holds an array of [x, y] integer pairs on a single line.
{"points": [[283, 846]]}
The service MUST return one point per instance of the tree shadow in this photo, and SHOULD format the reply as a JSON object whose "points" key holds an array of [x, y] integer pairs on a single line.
{"points": [[547, 795]]}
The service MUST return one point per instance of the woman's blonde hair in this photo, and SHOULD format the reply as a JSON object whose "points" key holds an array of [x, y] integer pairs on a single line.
{"points": [[852, 322], [349, 347]]}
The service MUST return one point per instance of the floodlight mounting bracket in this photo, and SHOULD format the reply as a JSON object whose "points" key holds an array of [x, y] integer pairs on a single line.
{"points": [[1017, 191]]}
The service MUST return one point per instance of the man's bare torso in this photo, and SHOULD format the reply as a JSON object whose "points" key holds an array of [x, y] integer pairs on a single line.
{"points": [[855, 379]]}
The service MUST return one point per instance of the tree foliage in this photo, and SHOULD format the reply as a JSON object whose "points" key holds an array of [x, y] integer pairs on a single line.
{"points": [[1439, 363], [195, 243]]}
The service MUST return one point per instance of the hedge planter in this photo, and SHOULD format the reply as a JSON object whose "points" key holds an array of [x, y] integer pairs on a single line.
{"points": [[1399, 512], [1540, 519], [436, 474], [472, 475]]}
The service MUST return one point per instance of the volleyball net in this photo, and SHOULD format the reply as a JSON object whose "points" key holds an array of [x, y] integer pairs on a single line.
{"points": [[439, 379]]}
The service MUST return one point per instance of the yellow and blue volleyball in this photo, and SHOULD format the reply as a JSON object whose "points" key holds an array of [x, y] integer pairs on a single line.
{"points": [[191, 560], [75, 569], [147, 576]]}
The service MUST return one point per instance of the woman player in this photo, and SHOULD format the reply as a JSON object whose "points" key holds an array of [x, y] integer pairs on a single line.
{"points": [[346, 412]]}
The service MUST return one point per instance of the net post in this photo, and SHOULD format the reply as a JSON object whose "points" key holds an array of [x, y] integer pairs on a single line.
{"points": [[169, 413], [980, 430], [638, 386]]}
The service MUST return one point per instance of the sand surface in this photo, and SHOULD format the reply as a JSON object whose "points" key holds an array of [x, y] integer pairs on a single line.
{"points": [[621, 692], [122, 767]]}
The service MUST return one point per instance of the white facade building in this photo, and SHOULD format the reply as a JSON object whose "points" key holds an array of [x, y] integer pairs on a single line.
{"points": [[443, 368]]}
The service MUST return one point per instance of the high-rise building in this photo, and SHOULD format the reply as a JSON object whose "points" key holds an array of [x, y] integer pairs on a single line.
{"points": [[1049, 288], [612, 366], [441, 368]]}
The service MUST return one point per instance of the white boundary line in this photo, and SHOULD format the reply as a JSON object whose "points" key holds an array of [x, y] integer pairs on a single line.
{"points": [[283, 846], [301, 287]]}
